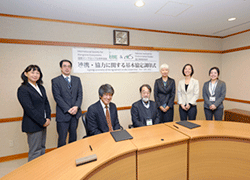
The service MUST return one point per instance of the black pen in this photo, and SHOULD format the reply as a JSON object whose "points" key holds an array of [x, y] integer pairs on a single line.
{"points": [[176, 126], [90, 148]]}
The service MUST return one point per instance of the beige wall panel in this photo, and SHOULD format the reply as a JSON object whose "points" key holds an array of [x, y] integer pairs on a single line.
{"points": [[142, 38], [236, 41], [232, 105], [15, 28], [12, 132], [236, 74], [124, 118], [14, 59], [54, 31]]}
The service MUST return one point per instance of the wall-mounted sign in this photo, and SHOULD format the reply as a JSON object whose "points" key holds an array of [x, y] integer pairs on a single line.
{"points": [[95, 60]]}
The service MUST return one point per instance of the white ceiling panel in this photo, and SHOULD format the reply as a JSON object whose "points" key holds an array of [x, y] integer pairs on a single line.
{"points": [[206, 17]]}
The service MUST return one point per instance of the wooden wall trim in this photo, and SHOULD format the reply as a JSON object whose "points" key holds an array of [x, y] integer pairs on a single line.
{"points": [[235, 34], [108, 26], [4, 120], [19, 156], [13, 119], [72, 44], [237, 100], [236, 49], [119, 109], [108, 46]]}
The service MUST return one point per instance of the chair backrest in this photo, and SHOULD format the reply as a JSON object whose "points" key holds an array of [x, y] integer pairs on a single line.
{"points": [[84, 123], [130, 126]]}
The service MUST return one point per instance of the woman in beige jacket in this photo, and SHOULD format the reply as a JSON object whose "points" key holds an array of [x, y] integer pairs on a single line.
{"points": [[188, 93]]}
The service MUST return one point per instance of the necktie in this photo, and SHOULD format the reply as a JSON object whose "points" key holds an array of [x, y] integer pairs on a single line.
{"points": [[108, 119], [69, 85]]}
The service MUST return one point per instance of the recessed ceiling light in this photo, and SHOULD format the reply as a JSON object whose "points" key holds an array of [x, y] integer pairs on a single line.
{"points": [[139, 3], [231, 19]]}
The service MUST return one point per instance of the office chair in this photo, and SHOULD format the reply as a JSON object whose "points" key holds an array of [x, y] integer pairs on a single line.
{"points": [[130, 126], [85, 124]]}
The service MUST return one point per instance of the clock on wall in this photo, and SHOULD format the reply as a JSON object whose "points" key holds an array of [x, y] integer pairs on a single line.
{"points": [[121, 37]]}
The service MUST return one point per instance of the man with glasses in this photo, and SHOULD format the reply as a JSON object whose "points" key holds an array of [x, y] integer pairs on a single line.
{"points": [[67, 92], [144, 112]]}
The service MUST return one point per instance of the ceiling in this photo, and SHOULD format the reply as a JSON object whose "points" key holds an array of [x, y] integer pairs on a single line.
{"points": [[204, 17]]}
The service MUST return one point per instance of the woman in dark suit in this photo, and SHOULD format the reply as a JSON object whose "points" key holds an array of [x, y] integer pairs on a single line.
{"points": [[164, 93], [32, 96], [214, 92]]}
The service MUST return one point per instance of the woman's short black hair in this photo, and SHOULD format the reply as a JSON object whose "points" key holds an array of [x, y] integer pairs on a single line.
{"points": [[65, 60], [30, 68], [191, 69], [216, 68], [147, 86], [106, 88]]}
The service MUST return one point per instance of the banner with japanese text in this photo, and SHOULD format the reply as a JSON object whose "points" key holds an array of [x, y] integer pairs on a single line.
{"points": [[95, 60]]}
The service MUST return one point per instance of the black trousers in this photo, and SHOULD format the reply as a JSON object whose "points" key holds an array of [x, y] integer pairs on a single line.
{"points": [[217, 114], [166, 116], [189, 114], [63, 128]]}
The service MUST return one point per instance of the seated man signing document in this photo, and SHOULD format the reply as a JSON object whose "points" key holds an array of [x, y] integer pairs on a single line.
{"points": [[102, 116], [144, 112]]}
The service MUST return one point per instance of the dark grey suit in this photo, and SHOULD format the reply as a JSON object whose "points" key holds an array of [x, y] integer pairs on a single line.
{"points": [[165, 95], [220, 93], [96, 119], [66, 98], [139, 113]]}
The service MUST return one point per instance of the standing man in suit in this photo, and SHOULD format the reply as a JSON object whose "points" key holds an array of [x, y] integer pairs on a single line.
{"points": [[144, 112], [102, 116], [67, 92]]}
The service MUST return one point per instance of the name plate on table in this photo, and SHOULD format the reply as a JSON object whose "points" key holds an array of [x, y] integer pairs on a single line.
{"points": [[86, 159]]}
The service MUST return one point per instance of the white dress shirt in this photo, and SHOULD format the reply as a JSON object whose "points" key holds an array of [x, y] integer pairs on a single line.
{"points": [[36, 88], [104, 107], [68, 77]]}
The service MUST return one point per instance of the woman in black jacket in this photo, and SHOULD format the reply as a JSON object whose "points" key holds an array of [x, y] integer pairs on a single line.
{"points": [[164, 93], [32, 96]]}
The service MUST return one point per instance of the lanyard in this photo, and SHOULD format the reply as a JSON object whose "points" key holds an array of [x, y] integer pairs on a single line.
{"points": [[212, 87]]}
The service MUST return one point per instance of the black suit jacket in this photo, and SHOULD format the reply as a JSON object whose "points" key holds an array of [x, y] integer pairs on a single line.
{"points": [[139, 114], [66, 98], [96, 119], [164, 94], [34, 106]]}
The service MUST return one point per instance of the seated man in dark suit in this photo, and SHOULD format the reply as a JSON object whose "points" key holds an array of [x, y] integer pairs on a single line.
{"points": [[144, 112], [102, 116]]}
